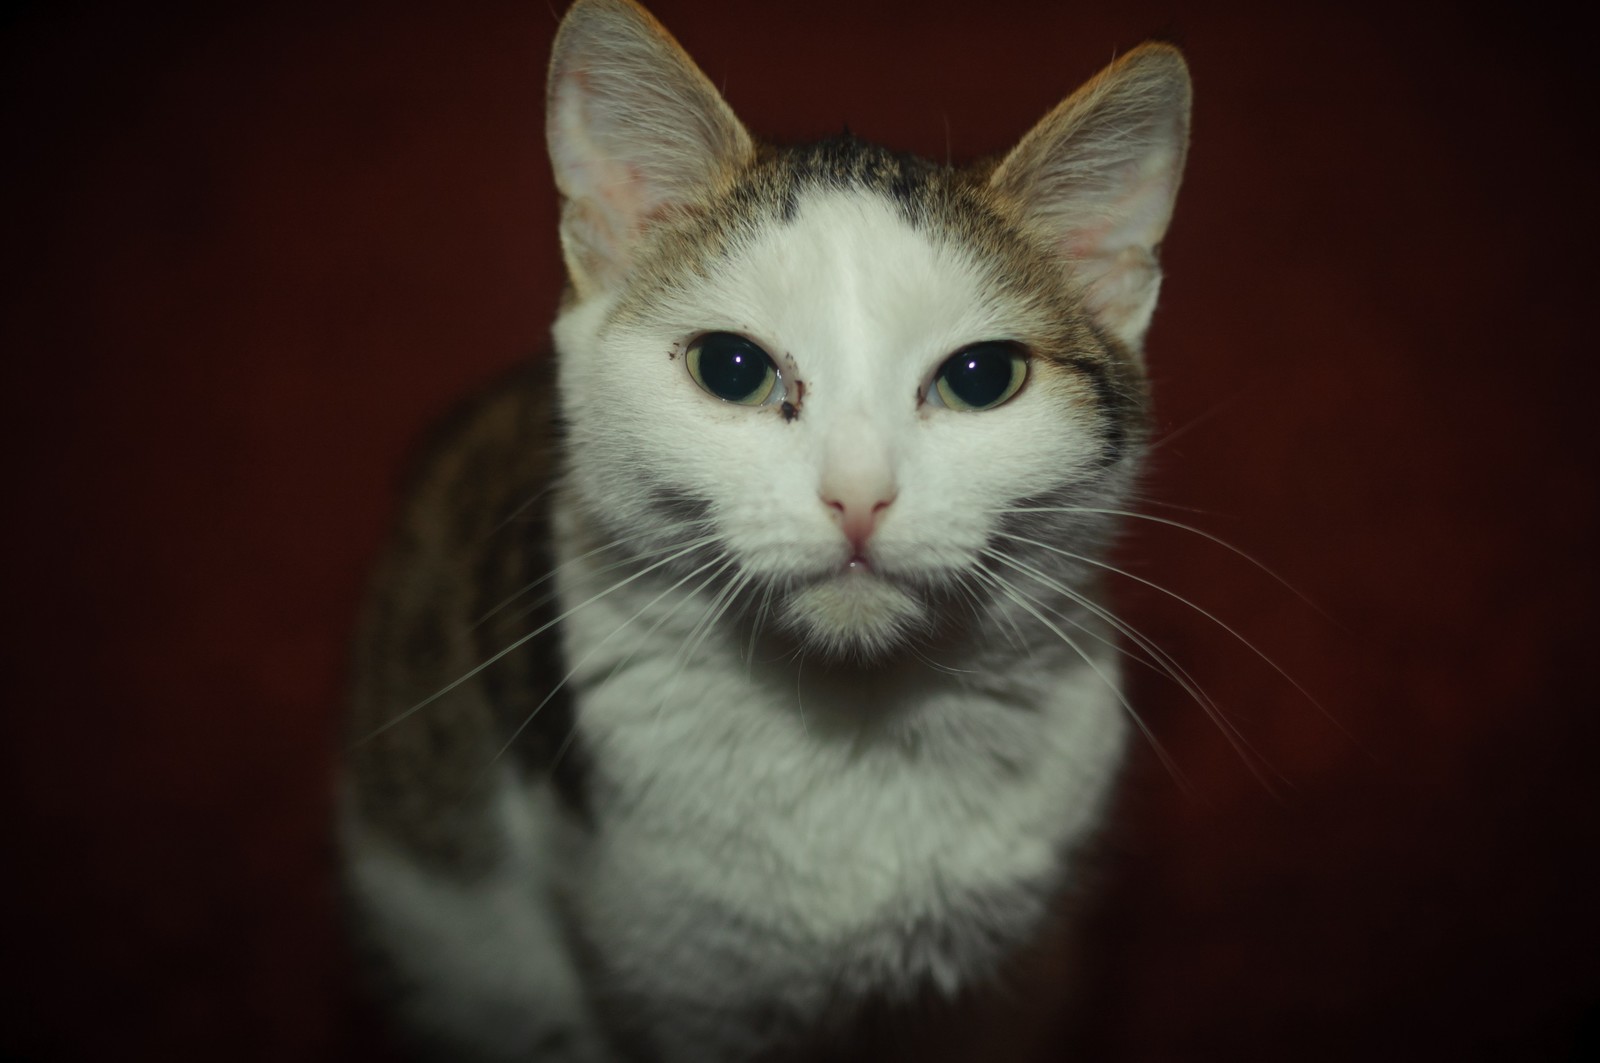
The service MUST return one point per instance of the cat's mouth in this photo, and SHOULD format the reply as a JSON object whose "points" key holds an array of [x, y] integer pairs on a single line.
{"points": [[854, 610]]}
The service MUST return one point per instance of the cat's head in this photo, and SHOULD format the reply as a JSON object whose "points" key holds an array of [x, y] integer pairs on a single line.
{"points": [[887, 391]]}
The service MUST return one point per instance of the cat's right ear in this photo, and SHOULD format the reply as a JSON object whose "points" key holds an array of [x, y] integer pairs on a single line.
{"points": [[635, 132]]}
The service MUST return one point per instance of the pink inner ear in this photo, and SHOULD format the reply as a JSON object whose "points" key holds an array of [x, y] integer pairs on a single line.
{"points": [[625, 194], [619, 195], [1109, 236], [1086, 241], [1137, 218]]}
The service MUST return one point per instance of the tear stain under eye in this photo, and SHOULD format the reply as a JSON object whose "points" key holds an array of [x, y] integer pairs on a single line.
{"points": [[791, 410]]}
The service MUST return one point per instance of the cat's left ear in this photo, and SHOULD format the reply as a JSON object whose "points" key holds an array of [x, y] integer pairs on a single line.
{"points": [[635, 130], [1097, 179]]}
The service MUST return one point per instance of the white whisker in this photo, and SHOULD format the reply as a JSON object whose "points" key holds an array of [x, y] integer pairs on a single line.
{"points": [[1134, 515], [757, 619], [1159, 659], [613, 544], [515, 513], [535, 633], [1185, 601], [980, 610], [601, 645], [708, 619], [1005, 587]]}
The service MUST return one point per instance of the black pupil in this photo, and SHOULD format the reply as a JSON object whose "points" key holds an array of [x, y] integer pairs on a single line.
{"points": [[979, 376], [731, 367]]}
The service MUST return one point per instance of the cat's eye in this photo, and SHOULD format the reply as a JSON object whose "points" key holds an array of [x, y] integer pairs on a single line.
{"points": [[732, 368], [980, 377]]}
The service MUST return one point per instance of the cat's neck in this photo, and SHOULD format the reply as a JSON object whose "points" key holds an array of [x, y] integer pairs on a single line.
{"points": [[653, 652]]}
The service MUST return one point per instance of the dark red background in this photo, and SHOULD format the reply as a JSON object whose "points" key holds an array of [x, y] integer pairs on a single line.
{"points": [[252, 251]]}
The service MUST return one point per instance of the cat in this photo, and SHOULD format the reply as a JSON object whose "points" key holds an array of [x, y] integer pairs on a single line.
{"points": [[744, 677]]}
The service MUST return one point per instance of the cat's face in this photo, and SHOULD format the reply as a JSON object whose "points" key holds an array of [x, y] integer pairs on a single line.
{"points": [[859, 376], [847, 484]]}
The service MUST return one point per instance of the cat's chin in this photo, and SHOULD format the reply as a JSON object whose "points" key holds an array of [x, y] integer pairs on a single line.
{"points": [[854, 614]]}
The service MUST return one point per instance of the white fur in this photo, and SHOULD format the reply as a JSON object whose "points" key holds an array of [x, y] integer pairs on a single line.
{"points": [[813, 855], [719, 800]]}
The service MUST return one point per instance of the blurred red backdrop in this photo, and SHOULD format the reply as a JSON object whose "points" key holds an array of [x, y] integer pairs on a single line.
{"points": [[254, 249]]}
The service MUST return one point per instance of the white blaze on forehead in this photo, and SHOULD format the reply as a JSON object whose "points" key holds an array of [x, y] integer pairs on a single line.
{"points": [[865, 304]]}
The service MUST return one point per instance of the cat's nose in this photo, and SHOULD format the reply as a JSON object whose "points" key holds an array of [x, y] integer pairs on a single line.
{"points": [[858, 505]]}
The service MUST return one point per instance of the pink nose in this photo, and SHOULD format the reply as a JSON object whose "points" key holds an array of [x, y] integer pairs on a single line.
{"points": [[858, 514]]}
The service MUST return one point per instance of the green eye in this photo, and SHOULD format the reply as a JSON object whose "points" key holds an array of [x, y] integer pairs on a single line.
{"points": [[732, 368], [981, 377]]}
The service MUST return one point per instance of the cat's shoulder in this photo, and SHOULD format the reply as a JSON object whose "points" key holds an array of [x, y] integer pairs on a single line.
{"points": [[488, 459], [459, 585]]}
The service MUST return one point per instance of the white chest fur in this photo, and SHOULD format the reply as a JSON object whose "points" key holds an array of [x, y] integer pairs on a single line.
{"points": [[785, 835]]}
